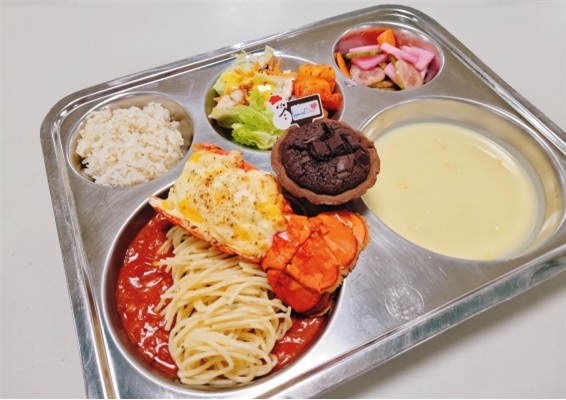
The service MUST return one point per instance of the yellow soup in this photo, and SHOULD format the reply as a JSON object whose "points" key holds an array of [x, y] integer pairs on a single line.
{"points": [[452, 191]]}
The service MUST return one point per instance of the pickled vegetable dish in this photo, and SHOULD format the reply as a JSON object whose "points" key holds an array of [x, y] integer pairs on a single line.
{"points": [[387, 63]]}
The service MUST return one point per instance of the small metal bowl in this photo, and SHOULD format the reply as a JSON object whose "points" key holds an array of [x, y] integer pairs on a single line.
{"points": [[176, 110], [508, 132], [364, 35], [288, 62]]}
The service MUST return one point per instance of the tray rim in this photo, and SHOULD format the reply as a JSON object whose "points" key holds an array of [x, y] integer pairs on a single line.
{"points": [[98, 381]]}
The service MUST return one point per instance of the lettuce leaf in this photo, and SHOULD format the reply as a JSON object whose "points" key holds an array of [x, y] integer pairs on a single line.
{"points": [[263, 140], [251, 125]]}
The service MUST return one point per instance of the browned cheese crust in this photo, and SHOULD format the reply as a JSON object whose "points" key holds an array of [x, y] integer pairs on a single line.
{"points": [[325, 162]]}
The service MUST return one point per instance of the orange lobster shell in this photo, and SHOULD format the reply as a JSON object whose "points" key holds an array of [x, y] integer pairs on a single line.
{"points": [[309, 260]]}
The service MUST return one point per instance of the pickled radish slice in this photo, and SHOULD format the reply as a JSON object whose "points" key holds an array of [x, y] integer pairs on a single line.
{"points": [[397, 52], [424, 57], [369, 62]]}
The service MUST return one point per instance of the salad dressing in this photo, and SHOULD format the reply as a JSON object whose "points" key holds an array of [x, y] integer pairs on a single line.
{"points": [[452, 191]]}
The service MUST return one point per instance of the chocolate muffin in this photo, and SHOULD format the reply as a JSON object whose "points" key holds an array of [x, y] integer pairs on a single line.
{"points": [[325, 162]]}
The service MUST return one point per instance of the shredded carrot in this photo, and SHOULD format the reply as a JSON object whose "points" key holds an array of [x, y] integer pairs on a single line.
{"points": [[271, 61], [277, 66], [342, 64], [275, 70], [240, 72], [387, 36]]}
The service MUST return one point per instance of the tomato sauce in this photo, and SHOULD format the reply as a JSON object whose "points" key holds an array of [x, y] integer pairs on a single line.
{"points": [[140, 285], [297, 340]]}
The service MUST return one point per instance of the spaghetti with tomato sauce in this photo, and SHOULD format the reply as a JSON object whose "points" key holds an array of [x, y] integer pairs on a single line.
{"points": [[141, 282]]}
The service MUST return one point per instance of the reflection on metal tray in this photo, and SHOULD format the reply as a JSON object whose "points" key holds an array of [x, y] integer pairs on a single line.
{"points": [[397, 296]]}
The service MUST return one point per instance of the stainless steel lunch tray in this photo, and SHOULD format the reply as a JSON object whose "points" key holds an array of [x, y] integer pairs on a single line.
{"points": [[397, 296]]}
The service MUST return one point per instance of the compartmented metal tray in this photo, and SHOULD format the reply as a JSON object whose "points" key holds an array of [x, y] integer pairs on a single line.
{"points": [[397, 296]]}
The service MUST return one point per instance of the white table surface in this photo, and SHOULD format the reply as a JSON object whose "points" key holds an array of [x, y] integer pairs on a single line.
{"points": [[52, 49]]}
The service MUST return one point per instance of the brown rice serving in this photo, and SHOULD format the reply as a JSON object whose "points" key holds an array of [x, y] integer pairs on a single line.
{"points": [[129, 146]]}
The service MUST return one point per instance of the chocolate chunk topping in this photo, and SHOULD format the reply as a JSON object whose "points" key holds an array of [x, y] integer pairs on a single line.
{"points": [[335, 143], [362, 157], [318, 149], [345, 163]]}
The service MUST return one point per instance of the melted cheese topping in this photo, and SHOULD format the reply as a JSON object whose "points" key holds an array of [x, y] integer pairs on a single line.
{"points": [[227, 204]]}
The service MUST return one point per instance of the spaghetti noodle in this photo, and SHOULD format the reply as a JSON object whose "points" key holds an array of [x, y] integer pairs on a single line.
{"points": [[222, 315]]}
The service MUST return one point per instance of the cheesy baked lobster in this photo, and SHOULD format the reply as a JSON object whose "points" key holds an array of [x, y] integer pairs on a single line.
{"points": [[239, 209]]}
